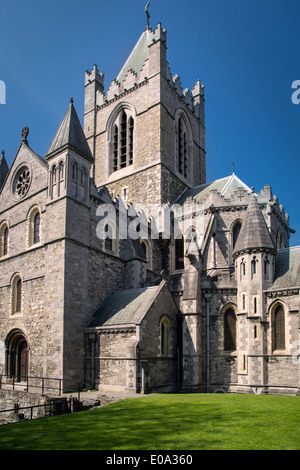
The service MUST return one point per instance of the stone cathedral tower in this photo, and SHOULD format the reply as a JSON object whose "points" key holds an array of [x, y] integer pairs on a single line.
{"points": [[213, 309], [146, 133]]}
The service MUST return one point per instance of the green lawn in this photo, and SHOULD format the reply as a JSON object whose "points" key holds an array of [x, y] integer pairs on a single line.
{"points": [[167, 422]]}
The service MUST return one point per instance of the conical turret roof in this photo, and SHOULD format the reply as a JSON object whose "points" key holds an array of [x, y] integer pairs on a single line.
{"points": [[70, 135], [254, 233]]}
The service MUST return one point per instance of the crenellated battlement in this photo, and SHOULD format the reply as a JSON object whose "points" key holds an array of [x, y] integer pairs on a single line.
{"points": [[140, 66]]}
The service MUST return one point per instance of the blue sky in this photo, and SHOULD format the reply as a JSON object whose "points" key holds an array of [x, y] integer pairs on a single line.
{"points": [[246, 53]]}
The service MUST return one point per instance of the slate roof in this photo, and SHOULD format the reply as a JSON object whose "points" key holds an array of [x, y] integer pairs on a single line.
{"points": [[287, 268], [70, 135], [137, 58], [124, 307], [225, 186], [254, 232]]}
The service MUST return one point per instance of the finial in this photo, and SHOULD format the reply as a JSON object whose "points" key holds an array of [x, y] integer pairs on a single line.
{"points": [[71, 100], [3, 154], [233, 165], [24, 134], [252, 189], [147, 14]]}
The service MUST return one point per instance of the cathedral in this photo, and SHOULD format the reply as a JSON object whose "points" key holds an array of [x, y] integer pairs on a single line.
{"points": [[123, 269]]}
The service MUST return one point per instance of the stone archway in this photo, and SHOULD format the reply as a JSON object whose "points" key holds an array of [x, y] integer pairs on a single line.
{"points": [[17, 355]]}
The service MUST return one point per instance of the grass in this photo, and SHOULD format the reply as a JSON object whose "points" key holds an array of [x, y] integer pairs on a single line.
{"points": [[167, 422]]}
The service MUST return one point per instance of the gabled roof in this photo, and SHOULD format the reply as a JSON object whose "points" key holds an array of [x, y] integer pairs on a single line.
{"points": [[124, 307], [137, 58], [287, 268], [70, 135], [225, 186], [254, 233]]}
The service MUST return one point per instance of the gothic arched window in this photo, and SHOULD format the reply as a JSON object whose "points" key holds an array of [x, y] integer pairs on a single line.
{"points": [[229, 330], [253, 267], [278, 328], [122, 140], [17, 353], [110, 237], [235, 233], [16, 294], [179, 253], [34, 226], [182, 150], [266, 268], [4, 234], [165, 336], [5, 241], [242, 268]]}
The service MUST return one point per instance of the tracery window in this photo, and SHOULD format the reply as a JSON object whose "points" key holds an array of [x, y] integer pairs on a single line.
{"points": [[122, 140], [22, 181]]}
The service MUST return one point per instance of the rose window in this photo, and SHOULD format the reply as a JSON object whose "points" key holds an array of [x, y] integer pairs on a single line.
{"points": [[22, 182]]}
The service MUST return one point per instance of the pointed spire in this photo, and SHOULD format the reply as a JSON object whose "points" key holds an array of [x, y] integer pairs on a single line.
{"points": [[4, 169], [254, 233], [147, 14], [70, 135]]}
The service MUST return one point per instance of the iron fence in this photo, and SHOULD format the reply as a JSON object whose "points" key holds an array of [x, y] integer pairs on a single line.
{"points": [[51, 408], [37, 384]]}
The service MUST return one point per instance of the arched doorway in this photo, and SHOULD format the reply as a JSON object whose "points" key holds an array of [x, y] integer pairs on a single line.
{"points": [[17, 355]]}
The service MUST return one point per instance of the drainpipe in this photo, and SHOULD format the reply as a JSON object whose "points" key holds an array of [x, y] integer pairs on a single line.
{"points": [[207, 297]]}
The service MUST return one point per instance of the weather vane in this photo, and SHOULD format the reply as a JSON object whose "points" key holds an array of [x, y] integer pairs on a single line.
{"points": [[233, 165], [147, 14]]}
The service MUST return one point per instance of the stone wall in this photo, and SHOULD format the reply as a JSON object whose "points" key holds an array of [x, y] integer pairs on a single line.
{"points": [[15, 400]]}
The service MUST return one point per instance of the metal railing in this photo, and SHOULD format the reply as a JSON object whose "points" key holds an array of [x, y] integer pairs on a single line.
{"points": [[53, 407], [49, 409], [37, 384]]}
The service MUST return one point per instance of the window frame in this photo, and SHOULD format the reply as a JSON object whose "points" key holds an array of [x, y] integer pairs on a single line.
{"points": [[32, 228], [229, 309], [4, 239], [16, 294], [121, 138], [183, 145], [165, 336], [275, 327]]}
